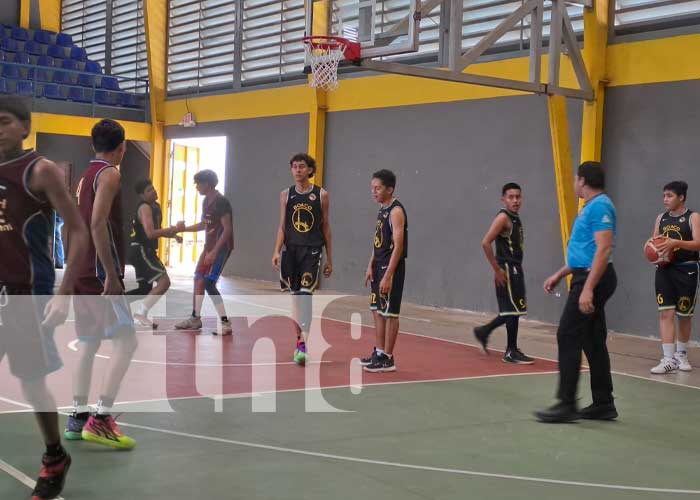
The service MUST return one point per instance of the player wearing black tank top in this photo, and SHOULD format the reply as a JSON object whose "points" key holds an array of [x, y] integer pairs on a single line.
{"points": [[676, 284], [30, 188], [304, 229], [507, 232], [143, 246]]}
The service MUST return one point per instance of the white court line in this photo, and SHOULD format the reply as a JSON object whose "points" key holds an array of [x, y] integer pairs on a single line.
{"points": [[73, 346], [398, 465], [19, 476], [16, 403]]}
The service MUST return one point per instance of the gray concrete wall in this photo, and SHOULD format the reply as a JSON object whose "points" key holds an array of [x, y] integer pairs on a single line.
{"points": [[9, 12], [78, 151], [451, 161], [257, 169], [650, 138]]}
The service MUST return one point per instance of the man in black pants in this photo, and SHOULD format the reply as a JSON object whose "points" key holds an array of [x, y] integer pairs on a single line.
{"points": [[582, 324], [507, 231]]}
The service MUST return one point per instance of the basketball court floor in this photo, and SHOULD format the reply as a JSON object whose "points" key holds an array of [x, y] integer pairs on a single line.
{"points": [[233, 417]]}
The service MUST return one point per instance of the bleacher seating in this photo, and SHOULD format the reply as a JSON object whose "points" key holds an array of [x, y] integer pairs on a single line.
{"points": [[44, 64]]}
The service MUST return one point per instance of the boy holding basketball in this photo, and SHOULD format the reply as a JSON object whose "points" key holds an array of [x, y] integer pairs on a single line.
{"points": [[507, 232], [676, 283]]}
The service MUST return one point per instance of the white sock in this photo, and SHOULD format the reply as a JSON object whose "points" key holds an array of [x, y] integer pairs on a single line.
{"points": [[103, 409], [143, 310], [680, 346], [380, 352], [669, 349], [81, 409]]}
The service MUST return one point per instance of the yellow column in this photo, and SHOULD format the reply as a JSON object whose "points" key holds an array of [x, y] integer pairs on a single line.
{"points": [[30, 141], [317, 132], [317, 112], [155, 12], [24, 10], [563, 167], [594, 55], [50, 14]]}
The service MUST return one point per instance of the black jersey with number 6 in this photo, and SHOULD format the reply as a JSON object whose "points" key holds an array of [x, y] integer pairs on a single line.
{"points": [[678, 228], [509, 244]]}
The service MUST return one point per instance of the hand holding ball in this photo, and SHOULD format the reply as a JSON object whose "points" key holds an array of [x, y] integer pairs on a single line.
{"points": [[656, 256]]}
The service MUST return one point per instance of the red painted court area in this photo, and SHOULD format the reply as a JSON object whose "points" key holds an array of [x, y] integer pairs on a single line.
{"points": [[258, 358]]}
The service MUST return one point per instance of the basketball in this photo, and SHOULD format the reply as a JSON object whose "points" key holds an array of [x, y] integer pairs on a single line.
{"points": [[656, 257]]}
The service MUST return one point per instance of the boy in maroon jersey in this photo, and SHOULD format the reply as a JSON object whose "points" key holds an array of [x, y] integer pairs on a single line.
{"points": [[101, 274], [30, 188]]}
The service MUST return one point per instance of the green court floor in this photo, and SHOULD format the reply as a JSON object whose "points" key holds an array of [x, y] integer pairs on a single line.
{"points": [[441, 440]]}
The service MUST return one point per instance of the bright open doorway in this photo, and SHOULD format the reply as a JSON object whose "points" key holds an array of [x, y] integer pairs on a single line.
{"points": [[187, 157]]}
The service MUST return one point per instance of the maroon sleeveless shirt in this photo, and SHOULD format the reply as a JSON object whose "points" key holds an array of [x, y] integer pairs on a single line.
{"points": [[87, 188], [25, 227]]}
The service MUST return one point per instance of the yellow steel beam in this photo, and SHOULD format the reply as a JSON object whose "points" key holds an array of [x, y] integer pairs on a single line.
{"points": [[155, 14], [50, 14], [25, 7], [318, 101], [563, 167], [594, 55], [49, 123]]}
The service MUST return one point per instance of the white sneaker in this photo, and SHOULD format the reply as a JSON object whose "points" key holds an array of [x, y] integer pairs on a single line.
{"points": [[683, 363], [190, 323], [226, 329], [143, 322], [667, 365]]}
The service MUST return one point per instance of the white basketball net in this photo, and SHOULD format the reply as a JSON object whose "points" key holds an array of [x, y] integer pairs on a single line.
{"points": [[324, 65]]}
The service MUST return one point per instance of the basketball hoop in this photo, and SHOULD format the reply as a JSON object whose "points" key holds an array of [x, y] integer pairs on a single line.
{"points": [[325, 53]]}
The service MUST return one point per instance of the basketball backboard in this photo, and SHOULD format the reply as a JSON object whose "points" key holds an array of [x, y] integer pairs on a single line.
{"points": [[382, 27]]}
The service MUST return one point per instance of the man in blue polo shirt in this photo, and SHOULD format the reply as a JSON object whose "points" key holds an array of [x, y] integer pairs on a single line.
{"points": [[582, 325]]}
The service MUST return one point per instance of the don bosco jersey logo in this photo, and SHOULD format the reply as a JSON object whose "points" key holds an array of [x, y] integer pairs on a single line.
{"points": [[378, 235], [302, 217], [671, 231]]}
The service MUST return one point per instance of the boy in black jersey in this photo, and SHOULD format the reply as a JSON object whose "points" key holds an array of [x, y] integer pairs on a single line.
{"points": [[304, 229], [386, 271], [507, 231], [676, 284], [145, 231]]}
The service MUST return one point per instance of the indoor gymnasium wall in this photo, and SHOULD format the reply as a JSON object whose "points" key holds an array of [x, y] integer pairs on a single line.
{"points": [[451, 161], [257, 169], [9, 12], [650, 138]]}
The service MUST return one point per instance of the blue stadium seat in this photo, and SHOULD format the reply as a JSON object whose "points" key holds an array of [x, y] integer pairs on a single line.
{"points": [[64, 40], [10, 71], [2, 56], [25, 88], [109, 83], [104, 97], [38, 74], [93, 67], [128, 100], [69, 64], [43, 36], [8, 45], [61, 77], [85, 80], [77, 94], [78, 54], [20, 34], [51, 91], [45, 61], [56, 51], [3, 86], [22, 58], [33, 48]]}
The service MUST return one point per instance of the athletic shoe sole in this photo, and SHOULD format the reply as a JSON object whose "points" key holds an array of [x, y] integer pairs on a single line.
{"points": [[559, 419], [94, 438], [73, 436], [380, 370], [514, 362], [609, 415]]}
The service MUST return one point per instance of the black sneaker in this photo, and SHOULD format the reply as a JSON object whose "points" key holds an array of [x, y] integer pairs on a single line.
{"points": [[517, 357], [52, 477], [559, 413], [382, 363], [482, 335], [370, 359], [604, 411]]}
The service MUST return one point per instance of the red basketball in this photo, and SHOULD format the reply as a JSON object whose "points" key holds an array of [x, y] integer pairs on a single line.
{"points": [[654, 255]]}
